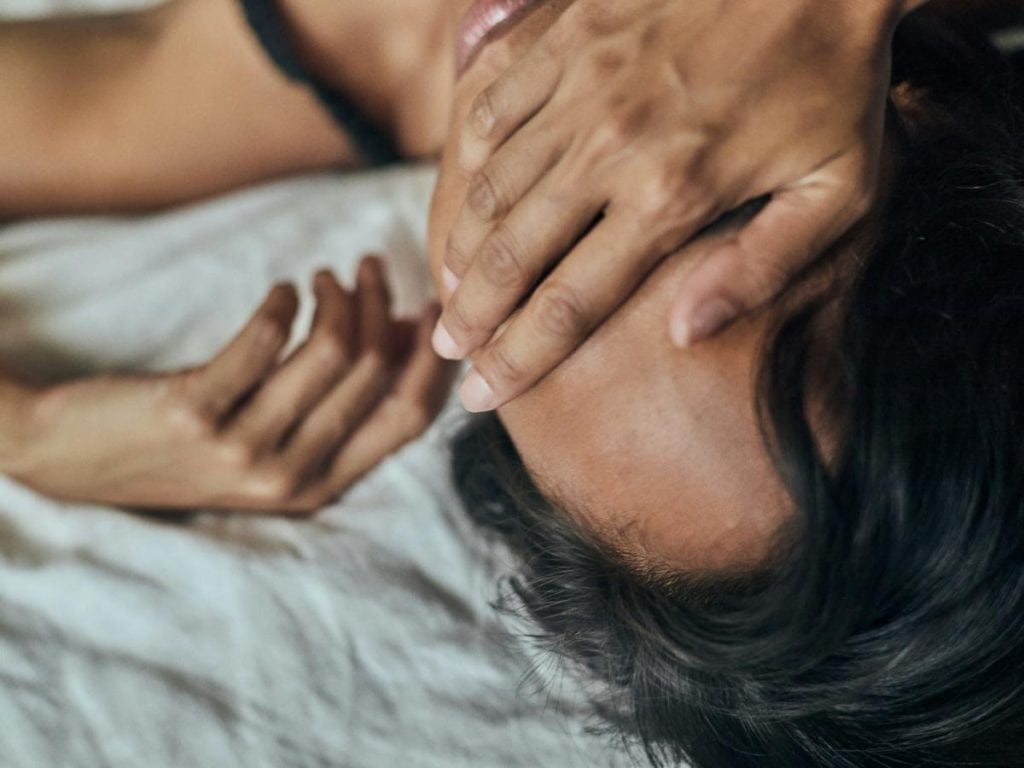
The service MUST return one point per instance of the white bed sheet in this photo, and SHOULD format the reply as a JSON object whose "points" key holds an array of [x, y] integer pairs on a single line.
{"points": [[362, 638], [30, 9]]}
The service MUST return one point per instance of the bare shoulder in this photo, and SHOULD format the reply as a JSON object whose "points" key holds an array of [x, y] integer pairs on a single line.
{"points": [[145, 110]]}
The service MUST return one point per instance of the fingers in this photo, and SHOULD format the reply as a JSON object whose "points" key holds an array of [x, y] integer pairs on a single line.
{"points": [[426, 380], [364, 383], [375, 335], [507, 266], [283, 450], [298, 385], [589, 284], [760, 261], [508, 103], [247, 359], [418, 395], [337, 415], [498, 188]]}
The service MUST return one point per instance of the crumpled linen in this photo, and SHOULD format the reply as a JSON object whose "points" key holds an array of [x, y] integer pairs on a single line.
{"points": [[364, 638]]}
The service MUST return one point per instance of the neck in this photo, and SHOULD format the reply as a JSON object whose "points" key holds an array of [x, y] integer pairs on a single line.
{"points": [[393, 57]]}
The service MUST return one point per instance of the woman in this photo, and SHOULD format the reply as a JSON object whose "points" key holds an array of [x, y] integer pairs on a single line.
{"points": [[155, 109], [765, 603], [800, 543], [152, 109]]}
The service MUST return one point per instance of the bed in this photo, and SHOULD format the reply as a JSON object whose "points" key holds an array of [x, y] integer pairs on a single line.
{"points": [[363, 638]]}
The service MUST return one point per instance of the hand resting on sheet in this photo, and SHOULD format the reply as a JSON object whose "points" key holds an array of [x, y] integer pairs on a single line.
{"points": [[248, 431]]}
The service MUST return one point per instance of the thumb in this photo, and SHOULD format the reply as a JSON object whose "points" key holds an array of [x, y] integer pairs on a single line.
{"points": [[759, 261]]}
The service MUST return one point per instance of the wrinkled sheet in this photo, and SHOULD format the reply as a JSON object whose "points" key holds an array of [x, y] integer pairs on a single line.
{"points": [[365, 637], [31, 9]]}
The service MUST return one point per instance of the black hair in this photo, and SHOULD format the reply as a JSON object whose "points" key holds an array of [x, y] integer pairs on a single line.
{"points": [[889, 632]]}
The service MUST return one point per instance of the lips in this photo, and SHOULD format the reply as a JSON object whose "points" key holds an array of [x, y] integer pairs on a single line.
{"points": [[485, 21]]}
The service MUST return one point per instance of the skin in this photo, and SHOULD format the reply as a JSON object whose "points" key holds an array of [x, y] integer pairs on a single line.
{"points": [[660, 116], [148, 110], [247, 431], [103, 94], [655, 447], [151, 109], [165, 422]]}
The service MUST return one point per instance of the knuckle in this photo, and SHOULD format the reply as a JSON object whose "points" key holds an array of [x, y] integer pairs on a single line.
{"points": [[625, 119], [267, 332], [654, 31], [486, 196], [501, 258], [559, 311], [604, 62], [456, 257], [236, 454], [274, 484], [607, 137], [633, 117], [700, 177], [329, 350], [669, 237], [498, 365], [457, 320], [595, 19], [483, 115], [189, 421], [671, 198], [661, 194]]}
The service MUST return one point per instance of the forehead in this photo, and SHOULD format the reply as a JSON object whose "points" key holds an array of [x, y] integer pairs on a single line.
{"points": [[657, 449]]}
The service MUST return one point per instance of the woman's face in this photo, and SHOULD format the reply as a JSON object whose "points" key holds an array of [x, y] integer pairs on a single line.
{"points": [[656, 449]]}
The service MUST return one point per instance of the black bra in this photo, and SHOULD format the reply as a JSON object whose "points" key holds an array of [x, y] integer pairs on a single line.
{"points": [[373, 143]]}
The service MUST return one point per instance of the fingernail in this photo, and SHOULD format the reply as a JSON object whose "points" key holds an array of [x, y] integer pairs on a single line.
{"points": [[707, 320], [476, 394], [450, 279], [444, 344]]}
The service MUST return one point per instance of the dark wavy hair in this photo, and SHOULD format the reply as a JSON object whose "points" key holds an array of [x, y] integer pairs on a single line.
{"points": [[890, 631]]}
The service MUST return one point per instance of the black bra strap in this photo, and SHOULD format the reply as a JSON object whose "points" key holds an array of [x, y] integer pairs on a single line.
{"points": [[266, 21]]}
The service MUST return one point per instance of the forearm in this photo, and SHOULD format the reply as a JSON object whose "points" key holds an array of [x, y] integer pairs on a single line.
{"points": [[147, 110]]}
